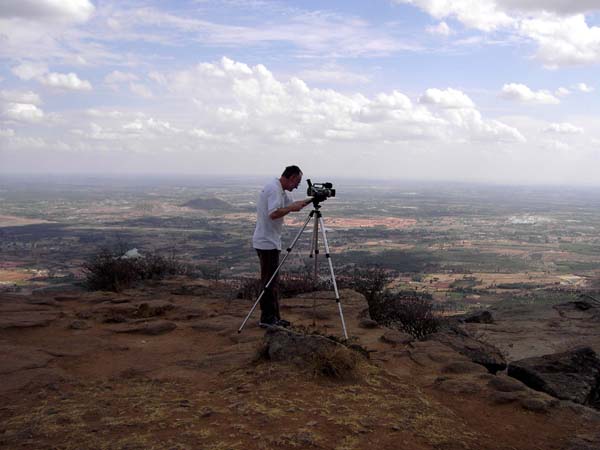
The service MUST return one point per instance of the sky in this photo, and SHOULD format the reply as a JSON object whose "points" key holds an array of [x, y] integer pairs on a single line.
{"points": [[498, 91]]}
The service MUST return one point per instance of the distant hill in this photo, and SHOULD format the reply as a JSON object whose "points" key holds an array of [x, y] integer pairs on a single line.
{"points": [[207, 203]]}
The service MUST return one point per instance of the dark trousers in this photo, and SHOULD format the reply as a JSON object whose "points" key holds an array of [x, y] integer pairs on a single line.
{"points": [[269, 303]]}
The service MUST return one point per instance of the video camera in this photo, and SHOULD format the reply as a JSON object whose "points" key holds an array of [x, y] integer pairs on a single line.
{"points": [[319, 191]]}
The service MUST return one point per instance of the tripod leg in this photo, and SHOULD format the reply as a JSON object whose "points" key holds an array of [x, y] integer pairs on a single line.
{"points": [[315, 248], [335, 288], [289, 250]]}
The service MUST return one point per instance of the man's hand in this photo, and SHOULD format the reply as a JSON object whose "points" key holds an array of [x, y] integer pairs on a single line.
{"points": [[297, 206], [293, 207]]}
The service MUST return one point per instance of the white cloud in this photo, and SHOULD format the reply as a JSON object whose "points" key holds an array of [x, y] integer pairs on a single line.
{"points": [[39, 72], [250, 100], [7, 132], [522, 93], [29, 70], [441, 29], [448, 98], [140, 90], [558, 27], [562, 92], [481, 14], [563, 40], [20, 97], [25, 112], [60, 10], [150, 124], [564, 128], [117, 76], [333, 74], [65, 81], [582, 87]]}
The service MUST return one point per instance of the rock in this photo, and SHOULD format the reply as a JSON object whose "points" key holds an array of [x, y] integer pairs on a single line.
{"points": [[396, 337], [456, 385], [368, 323], [79, 325], [27, 319], [536, 404], [148, 328], [502, 398], [459, 367], [572, 375], [479, 317], [479, 352], [286, 345], [505, 384]]}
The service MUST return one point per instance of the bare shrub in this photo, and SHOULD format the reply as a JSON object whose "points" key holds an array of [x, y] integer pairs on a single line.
{"points": [[369, 281], [109, 271], [409, 312]]}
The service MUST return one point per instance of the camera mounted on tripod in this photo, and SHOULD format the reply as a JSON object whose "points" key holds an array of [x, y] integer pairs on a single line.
{"points": [[319, 191]]}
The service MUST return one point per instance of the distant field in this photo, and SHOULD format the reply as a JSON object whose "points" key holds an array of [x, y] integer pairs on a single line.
{"points": [[467, 244]]}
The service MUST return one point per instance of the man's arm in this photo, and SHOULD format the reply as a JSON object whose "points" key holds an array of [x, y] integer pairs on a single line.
{"points": [[293, 207]]}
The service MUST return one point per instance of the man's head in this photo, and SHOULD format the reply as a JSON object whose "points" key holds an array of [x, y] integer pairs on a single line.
{"points": [[291, 178]]}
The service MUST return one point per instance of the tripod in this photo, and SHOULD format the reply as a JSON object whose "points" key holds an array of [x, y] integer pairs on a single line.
{"points": [[314, 249]]}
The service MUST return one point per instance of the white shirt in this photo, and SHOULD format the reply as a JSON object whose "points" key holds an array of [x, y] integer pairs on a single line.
{"points": [[267, 235]]}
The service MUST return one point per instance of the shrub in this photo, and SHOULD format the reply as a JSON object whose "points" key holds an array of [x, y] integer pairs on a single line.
{"points": [[107, 270], [369, 281], [409, 312]]}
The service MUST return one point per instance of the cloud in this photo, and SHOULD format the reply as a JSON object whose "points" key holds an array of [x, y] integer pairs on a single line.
{"points": [[20, 97], [6, 132], [441, 29], [522, 93], [480, 14], [29, 70], [558, 27], [251, 100], [562, 92], [448, 98], [65, 81], [582, 87], [563, 41], [117, 76], [150, 124], [39, 72], [140, 90], [25, 112], [333, 74], [42, 10], [564, 128]]}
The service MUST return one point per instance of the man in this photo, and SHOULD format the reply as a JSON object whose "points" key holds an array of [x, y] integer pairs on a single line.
{"points": [[273, 204]]}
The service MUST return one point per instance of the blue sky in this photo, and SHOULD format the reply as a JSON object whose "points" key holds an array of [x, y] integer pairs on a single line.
{"points": [[490, 90]]}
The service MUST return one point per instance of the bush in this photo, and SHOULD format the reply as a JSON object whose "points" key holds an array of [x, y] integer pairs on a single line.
{"points": [[409, 312], [109, 271], [370, 281]]}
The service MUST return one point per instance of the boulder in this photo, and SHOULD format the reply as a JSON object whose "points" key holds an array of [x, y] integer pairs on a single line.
{"points": [[477, 351], [573, 375], [281, 344]]}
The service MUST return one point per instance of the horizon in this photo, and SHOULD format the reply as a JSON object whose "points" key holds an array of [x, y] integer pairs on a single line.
{"points": [[488, 92]]}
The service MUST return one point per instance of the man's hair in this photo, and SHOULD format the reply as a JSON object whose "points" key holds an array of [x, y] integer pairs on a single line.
{"points": [[291, 171]]}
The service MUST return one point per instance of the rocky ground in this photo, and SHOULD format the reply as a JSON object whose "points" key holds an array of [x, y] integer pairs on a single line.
{"points": [[163, 367]]}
